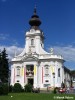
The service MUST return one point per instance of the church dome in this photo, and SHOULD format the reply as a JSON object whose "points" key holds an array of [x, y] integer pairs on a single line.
{"points": [[35, 21]]}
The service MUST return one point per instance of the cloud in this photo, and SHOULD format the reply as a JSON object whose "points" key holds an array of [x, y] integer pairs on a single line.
{"points": [[3, 36], [14, 42], [68, 52], [6, 38], [11, 50]]}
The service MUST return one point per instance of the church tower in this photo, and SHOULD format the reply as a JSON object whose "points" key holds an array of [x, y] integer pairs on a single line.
{"points": [[35, 36]]}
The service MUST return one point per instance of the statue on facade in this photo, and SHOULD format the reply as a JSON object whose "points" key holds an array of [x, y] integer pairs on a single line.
{"points": [[51, 50]]}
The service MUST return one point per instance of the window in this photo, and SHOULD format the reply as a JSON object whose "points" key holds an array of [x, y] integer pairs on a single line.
{"points": [[46, 85], [30, 67], [18, 71], [17, 80], [46, 80], [58, 72], [46, 70], [32, 41]]}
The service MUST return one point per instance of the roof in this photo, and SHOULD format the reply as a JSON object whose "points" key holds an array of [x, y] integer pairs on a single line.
{"points": [[67, 70]]}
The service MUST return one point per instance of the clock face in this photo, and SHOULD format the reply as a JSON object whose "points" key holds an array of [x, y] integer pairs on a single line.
{"points": [[32, 30]]}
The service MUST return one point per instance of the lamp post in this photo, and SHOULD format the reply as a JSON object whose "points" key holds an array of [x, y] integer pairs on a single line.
{"points": [[53, 79]]}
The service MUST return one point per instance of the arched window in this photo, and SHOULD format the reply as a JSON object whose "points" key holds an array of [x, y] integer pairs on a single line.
{"points": [[18, 71], [46, 70], [32, 41], [58, 72]]}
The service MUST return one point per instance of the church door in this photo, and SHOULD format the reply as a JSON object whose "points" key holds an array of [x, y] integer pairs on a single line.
{"points": [[30, 81]]}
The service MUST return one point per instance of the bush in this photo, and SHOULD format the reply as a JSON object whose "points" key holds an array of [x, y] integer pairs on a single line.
{"points": [[55, 90], [4, 89], [1, 90], [10, 88], [17, 88], [28, 88]]}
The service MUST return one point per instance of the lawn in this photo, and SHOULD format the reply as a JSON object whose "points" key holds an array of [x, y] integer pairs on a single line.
{"points": [[37, 96]]}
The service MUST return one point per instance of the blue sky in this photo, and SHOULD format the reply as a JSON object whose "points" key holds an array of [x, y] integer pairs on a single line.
{"points": [[58, 25]]}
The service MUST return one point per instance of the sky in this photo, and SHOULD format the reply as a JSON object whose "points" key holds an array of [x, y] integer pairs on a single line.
{"points": [[58, 25]]}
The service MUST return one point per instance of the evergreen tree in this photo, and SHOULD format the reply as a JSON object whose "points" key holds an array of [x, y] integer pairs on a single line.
{"points": [[4, 67], [0, 67]]}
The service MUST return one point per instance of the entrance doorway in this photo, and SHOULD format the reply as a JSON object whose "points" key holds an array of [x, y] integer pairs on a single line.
{"points": [[30, 81]]}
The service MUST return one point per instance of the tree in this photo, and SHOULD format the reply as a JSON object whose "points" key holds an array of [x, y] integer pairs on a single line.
{"points": [[4, 89], [17, 88], [4, 67], [0, 67]]}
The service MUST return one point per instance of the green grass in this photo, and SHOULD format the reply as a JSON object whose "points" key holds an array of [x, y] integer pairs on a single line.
{"points": [[35, 96]]}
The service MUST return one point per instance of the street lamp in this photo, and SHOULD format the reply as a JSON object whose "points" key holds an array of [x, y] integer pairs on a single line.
{"points": [[54, 78]]}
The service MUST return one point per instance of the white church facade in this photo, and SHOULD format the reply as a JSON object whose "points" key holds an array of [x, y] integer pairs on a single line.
{"points": [[36, 66]]}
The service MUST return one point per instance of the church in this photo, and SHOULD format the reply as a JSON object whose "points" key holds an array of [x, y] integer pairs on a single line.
{"points": [[36, 66]]}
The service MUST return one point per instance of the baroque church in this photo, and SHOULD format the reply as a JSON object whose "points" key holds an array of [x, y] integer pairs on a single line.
{"points": [[36, 66]]}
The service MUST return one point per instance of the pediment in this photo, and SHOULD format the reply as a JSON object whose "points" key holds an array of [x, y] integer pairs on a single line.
{"points": [[30, 58]]}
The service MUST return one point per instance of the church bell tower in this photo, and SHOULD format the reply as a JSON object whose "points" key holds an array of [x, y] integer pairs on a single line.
{"points": [[34, 37]]}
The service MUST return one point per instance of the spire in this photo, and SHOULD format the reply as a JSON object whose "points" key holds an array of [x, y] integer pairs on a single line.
{"points": [[35, 21], [35, 10]]}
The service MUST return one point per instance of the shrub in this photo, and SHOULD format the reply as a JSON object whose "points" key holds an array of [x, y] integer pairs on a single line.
{"points": [[28, 88], [17, 88], [55, 90], [10, 88], [4, 89], [1, 90]]}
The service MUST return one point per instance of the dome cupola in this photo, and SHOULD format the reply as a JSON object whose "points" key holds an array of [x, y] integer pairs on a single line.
{"points": [[35, 21]]}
